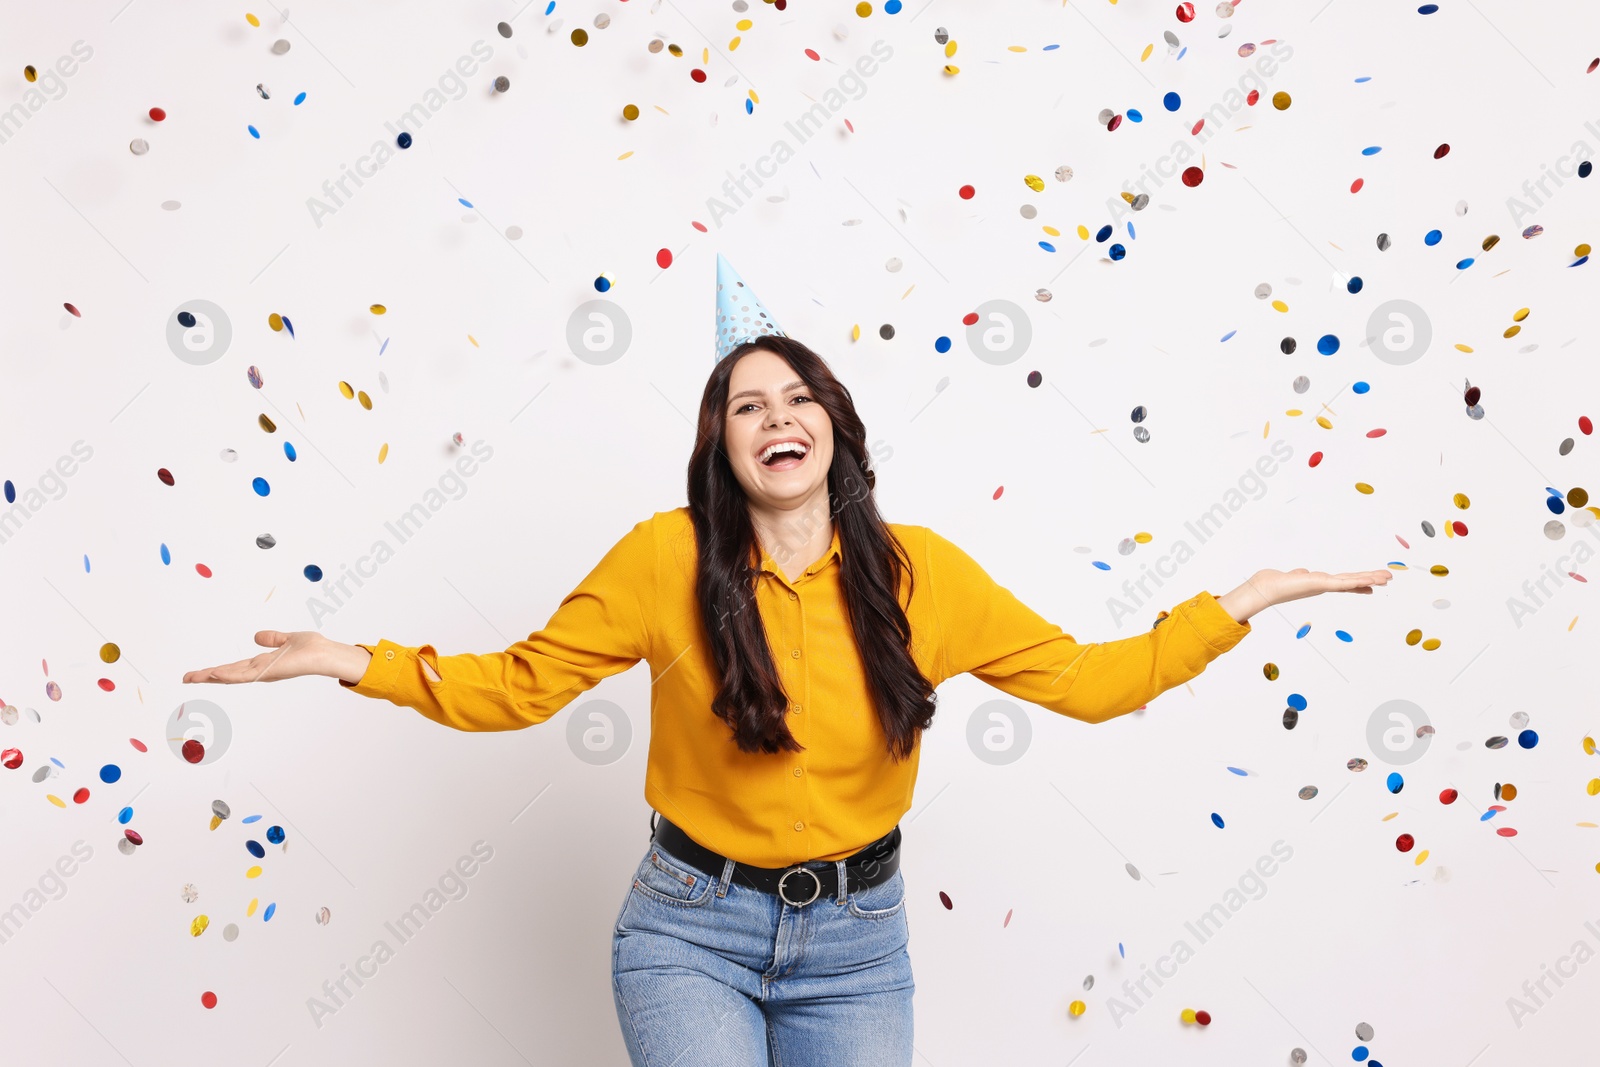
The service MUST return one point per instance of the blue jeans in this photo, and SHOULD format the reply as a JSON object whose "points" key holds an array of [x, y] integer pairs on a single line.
{"points": [[712, 974]]}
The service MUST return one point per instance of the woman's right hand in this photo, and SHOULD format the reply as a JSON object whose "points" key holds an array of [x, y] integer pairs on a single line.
{"points": [[293, 655]]}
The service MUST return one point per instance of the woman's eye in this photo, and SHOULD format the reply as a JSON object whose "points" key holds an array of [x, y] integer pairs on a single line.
{"points": [[740, 410]]}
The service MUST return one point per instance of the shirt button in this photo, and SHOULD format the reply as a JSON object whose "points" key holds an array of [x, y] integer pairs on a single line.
{"points": [[795, 654], [799, 826], [797, 709], [389, 654], [792, 596], [797, 772]]}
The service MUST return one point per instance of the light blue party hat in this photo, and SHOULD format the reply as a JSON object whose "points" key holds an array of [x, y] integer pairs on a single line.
{"points": [[741, 316]]}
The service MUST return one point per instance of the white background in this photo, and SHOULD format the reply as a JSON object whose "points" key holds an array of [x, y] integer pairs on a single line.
{"points": [[378, 802]]}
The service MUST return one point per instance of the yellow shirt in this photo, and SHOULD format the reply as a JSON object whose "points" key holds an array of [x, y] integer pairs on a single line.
{"points": [[843, 791]]}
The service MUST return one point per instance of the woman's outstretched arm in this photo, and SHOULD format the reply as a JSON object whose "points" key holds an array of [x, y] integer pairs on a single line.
{"points": [[986, 631], [600, 629]]}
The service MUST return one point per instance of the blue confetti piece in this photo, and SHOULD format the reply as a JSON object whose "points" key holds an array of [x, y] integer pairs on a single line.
{"points": [[1240, 773], [941, 344], [125, 816], [1555, 505], [1302, 631], [1134, 116], [58, 763], [1049, 48], [1360, 1052], [1486, 816], [1463, 264], [1182, 52], [1229, 334], [254, 132], [166, 556], [288, 450], [287, 325], [111, 772], [272, 910], [1395, 782], [1427, 9], [313, 572], [1119, 950], [255, 849], [1327, 344], [464, 201], [1116, 252], [300, 99], [11, 492], [1528, 738], [1297, 702], [1353, 285], [1585, 168], [383, 346], [1216, 819], [749, 106], [260, 486], [1131, 234], [551, 6], [248, 819], [1103, 234], [1047, 246], [1372, 151], [1102, 566], [1363, 78], [86, 563], [1343, 636], [275, 835], [1361, 387], [892, 7], [1431, 238], [1575, 263], [1172, 101]]}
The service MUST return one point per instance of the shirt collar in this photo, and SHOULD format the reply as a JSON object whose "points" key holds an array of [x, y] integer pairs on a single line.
{"points": [[769, 566]]}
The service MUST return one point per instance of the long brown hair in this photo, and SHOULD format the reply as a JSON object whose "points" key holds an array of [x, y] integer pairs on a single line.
{"points": [[750, 697]]}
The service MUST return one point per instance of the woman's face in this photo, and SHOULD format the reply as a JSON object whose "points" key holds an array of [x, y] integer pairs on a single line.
{"points": [[777, 406]]}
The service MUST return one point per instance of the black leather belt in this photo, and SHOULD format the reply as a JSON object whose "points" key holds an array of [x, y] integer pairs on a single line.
{"points": [[797, 885]]}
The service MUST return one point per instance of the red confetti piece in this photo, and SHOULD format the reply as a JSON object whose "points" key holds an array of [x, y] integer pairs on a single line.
{"points": [[1459, 527], [664, 258], [944, 899], [1579, 577], [1506, 831], [1185, 12], [81, 795], [1193, 176], [1316, 458], [1585, 425], [165, 476], [1376, 433], [699, 226], [107, 685], [1008, 919], [1404, 842], [966, 192], [849, 127], [202, 570], [134, 836], [193, 751], [969, 318], [158, 114], [138, 744], [697, 74], [209, 999], [813, 56], [1403, 542], [74, 310], [1355, 186], [1254, 95], [1116, 120], [997, 493], [1593, 63], [1448, 796], [1198, 126], [1442, 151], [11, 758], [1203, 1018]]}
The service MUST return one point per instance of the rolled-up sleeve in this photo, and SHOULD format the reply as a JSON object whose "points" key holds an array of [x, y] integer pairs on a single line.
{"points": [[599, 629], [987, 632]]}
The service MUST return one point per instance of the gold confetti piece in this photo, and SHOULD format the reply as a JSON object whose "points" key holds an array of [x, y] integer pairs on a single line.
{"points": [[57, 801], [275, 320], [733, 44], [1581, 250], [251, 19], [1421, 856], [251, 910], [1571, 624], [1294, 413], [1077, 1007], [1019, 48], [266, 423], [1083, 232], [1265, 427], [907, 292], [1463, 348], [743, 24], [952, 70], [383, 453], [346, 392], [950, 48], [1146, 53], [1034, 182], [1439, 570], [473, 339], [366, 401], [1594, 787], [855, 332], [754, 98], [378, 309], [1322, 420], [1520, 315], [1279, 305], [199, 925], [1430, 644], [1413, 637], [625, 155], [1363, 487], [630, 112], [1391, 815], [253, 872], [1052, 231], [1588, 745], [1143, 538]]}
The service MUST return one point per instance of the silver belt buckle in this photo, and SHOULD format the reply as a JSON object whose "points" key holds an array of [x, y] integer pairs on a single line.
{"points": [[816, 892]]}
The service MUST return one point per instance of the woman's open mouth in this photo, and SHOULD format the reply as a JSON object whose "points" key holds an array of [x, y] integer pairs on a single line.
{"points": [[786, 456]]}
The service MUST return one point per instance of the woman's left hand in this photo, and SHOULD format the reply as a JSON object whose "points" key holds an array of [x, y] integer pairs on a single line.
{"points": [[1268, 587]]}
